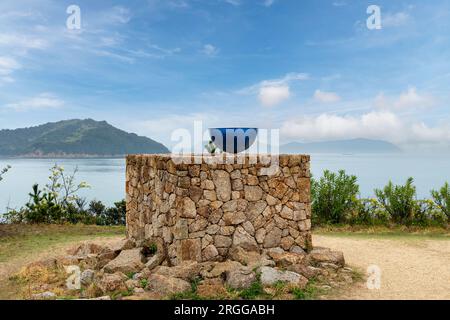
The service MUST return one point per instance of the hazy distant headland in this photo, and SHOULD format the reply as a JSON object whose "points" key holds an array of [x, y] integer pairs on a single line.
{"points": [[98, 139], [74, 138], [341, 146]]}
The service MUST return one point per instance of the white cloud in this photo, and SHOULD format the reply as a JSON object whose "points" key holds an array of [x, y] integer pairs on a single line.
{"points": [[326, 97], [409, 99], [19, 41], [395, 19], [233, 2], [268, 3], [41, 101], [8, 65], [373, 125], [274, 91], [118, 15], [272, 95], [210, 50]]}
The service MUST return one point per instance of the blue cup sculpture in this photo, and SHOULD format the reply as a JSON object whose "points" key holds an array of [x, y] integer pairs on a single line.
{"points": [[233, 140]]}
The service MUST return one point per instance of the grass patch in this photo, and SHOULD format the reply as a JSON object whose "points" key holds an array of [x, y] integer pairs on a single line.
{"points": [[394, 231], [190, 294], [310, 292], [21, 240]]}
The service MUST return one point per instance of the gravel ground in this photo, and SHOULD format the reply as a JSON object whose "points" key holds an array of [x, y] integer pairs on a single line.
{"points": [[411, 268]]}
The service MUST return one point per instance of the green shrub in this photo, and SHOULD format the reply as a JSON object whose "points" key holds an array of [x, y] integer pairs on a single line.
{"points": [[399, 200], [3, 171], [333, 196], [59, 203], [442, 199], [368, 212]]}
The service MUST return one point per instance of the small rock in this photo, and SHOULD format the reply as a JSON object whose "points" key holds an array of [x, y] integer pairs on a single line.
{"points": [[209, 253], [138, 291], [273, 238], [43, 296], [297, 249], [154, 261], [325, 255], [124, 244], [87, 277], [112, 282], [128, 261], [286, 259], [242, 239], [222, 268], [166, 285], [211, 288], [240, 278], [270, 276]]}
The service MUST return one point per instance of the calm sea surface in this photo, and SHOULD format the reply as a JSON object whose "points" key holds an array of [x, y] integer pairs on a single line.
{"points": [[107, 176]]}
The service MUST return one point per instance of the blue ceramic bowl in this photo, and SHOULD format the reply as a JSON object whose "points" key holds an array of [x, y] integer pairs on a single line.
{"points": [[233, 140]]}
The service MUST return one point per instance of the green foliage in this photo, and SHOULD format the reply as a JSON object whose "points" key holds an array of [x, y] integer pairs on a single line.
{"points": [[333, 196], [3, 171], [144, 283], [399, 200], [59, 203], [442, 199], [334, 201], [309, 293], [255, 290]]}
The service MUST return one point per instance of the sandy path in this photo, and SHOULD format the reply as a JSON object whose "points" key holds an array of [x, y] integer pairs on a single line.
{"points": [[410, 268]]}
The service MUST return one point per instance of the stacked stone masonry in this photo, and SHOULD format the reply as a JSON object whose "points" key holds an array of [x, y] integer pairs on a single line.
{"points": [[199, 211]]}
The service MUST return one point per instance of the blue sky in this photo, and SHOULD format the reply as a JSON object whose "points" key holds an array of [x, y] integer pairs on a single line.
{"points": [[309, 68]]}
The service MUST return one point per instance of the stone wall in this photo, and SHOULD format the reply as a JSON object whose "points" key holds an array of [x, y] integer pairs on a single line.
{"points": [[199, 211]]}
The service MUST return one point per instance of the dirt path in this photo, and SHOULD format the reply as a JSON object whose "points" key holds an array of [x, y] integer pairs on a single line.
{"points": [[410, 268]]}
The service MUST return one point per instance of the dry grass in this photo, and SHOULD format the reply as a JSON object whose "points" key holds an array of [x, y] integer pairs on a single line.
{"points": [[23, 244]]}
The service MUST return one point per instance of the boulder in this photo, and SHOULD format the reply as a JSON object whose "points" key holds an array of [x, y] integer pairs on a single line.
{"points": [[87, 277], [186, 270], [211, 288], [166, 285], [324, 255], [270, 276], [128, 261], [241, 278], [86, 248], [123, 244], [306, 271], [285, 259], [112, 282], [250, 259], [221, 269], [154, 261]]}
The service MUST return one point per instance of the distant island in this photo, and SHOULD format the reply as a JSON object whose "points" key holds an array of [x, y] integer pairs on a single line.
{"points": [[75, 138], [341, 146]]}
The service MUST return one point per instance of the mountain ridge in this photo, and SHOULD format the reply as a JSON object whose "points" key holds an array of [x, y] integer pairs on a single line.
{"points": [[74, 137], [359, 145]]}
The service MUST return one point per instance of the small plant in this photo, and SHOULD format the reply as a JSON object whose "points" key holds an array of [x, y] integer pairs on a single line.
{"points": [[211, 147], [3, 171], [308, 293], [333, 196], [62, 186], [399, 200], [144, 283], [442, 199], [152, 249], [255, 290]]}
